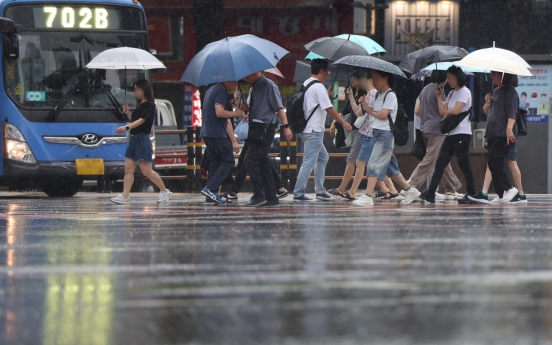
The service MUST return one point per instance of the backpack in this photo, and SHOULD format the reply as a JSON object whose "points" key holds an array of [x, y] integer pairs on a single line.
{"points": [[400, 127], [296, 114]]}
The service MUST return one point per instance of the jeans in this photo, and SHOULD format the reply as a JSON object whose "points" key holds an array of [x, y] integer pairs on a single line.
{"points": [[382, 161], [140, 148], [459, 145], [316, 157], [221, 161], [258, 165], [241, 172], [498, 150]]}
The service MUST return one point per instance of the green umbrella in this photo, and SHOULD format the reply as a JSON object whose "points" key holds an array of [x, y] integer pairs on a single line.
{"points": [[371, 46]]}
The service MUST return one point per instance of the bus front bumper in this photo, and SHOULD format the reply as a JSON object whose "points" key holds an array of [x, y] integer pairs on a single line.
{"points": [[114, 170]]}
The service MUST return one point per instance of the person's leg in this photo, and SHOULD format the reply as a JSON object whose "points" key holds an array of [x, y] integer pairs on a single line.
{"points": [[147, 171], [311, 148], [241, 170], [130, 167], [427, 165], [390, 185], [280, 186], [347, 175], [222, 162], [495, 159], [487, 181], [359, 175], [320, 168], [380, 158], [516, 174], [364, 155], [463, 157], [351, 162], [445, 155], [258, 166]]}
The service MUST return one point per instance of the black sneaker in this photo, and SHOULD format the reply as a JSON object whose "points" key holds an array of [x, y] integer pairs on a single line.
{"points": [[479, 198], [283, 194], [519, 199], [271, 203], [466, 199], [232, 196], [254, 202], [428, 197]]}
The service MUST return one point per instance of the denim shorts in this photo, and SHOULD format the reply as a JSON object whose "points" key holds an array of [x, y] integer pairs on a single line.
{"points": [[140, 148], [366, 149], [355, 148], [512, 154], [382, 161]]}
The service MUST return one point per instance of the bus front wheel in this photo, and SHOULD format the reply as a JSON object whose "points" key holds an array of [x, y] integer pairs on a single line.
{"points": [[57, 187]]}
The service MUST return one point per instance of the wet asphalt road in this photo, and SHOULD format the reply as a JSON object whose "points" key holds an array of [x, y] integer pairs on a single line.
{"points": [[83, 271]]}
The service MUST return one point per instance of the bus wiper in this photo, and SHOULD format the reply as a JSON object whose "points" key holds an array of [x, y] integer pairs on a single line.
{"points": [[69, 90], [105, 88]]}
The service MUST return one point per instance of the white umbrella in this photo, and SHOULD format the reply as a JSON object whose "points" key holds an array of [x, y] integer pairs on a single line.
{"points": [[501, 53], [125, 58], [494, 63]]}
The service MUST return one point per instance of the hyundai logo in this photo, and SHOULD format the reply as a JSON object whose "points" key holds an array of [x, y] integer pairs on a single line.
{"points": [[89, 138]]}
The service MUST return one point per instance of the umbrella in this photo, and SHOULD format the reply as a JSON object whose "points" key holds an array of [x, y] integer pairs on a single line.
{"points": [[231, 59], [275, 71], [371, 46], [494, 63], [443, 66], [502, 53], [125, 58], [421, 58], [335, 48], [370, 62]]}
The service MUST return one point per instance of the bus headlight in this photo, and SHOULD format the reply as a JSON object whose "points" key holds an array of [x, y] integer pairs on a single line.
{"points": [[15, 145]]}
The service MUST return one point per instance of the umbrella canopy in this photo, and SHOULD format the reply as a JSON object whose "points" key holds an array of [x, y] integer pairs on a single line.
{"points": [[335, 48], [501, 53], [370, 62], [371, 46], [231, 59], [494, 63], [125, 58], [421, 58], [275, 71], [443, 66]]}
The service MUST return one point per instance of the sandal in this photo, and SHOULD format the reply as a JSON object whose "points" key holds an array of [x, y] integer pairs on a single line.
{"points": [[380, 195], [389, 196], [335, 192], [347, 196]]}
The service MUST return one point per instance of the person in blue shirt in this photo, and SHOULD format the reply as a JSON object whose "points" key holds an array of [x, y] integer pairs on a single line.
{"points": [[218, 134]]}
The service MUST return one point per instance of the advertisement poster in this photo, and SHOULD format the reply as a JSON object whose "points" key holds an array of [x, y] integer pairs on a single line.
{"points": [[535, 93]]}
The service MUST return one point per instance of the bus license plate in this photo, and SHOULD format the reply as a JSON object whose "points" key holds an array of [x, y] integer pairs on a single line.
{"points": [[94, 166]]}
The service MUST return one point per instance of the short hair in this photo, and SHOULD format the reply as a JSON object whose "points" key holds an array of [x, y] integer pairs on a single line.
{"points": [[523, 94], [317, 65], [459, 74], [145, 86], [510, 79], [438, 76], [390, 78]]}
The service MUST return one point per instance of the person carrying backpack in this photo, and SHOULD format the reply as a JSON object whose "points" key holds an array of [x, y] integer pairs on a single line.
{"points": [[382, 159], [310, 125]]}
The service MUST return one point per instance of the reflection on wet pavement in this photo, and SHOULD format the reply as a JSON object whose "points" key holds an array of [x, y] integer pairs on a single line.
{"points": [[84, 271]]}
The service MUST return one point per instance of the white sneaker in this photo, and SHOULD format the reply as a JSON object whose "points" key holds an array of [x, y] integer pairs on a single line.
{"points": [[120, 200], [495, 201], [364, 201], [440, 197], [509, 195], [402, 193], [411, 195], [164, 196], [453, 196]]}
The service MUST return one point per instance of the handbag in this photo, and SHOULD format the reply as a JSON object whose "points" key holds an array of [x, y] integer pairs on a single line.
{"points": [[242, 129], [341, 140], [450, 122], [257, 132], [419, 148], [521, 122], [360, 121]]}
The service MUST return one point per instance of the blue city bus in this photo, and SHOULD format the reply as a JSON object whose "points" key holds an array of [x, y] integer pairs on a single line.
{"points": [[59, 118]]}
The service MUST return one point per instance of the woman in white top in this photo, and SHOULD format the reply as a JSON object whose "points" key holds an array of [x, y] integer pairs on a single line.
{"points": [[458, 140], [382, 160]]}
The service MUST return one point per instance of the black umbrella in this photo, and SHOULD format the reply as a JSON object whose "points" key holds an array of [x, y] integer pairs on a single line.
{"points": [[419, 59], [334, 48], [370, 62]]}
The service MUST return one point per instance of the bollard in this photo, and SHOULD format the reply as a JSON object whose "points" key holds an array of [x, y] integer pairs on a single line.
{"points": [[292, 162], [198, 159], [284, 154], [191, 160]]}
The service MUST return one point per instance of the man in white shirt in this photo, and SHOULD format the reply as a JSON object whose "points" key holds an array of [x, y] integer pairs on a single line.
{"points": [[317, 103]]}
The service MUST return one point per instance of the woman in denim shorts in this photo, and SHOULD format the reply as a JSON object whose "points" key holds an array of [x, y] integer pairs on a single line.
{"points": [[382, 161], [140, 150]]}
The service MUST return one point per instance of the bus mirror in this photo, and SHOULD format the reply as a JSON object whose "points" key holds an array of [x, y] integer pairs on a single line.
{"points": [[6, 25], [11, 46]]}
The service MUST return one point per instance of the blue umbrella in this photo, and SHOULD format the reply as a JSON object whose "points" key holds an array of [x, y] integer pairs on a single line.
{"points": [[371, 46], [231, 59]]}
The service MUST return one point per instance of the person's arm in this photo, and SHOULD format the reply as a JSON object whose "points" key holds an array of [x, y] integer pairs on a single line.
{"points": [[457, 109], [230, 132], [222, 113], [352, 102], [334, 115], [283, 118], [487, 105], [139, 121], [130, 126], [510, 137], [442, 105], [382, 114], [417, 108]]}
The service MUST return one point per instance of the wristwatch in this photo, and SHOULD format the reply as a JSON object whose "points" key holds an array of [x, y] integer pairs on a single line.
{"points": [[127, 128], [286, 125]]}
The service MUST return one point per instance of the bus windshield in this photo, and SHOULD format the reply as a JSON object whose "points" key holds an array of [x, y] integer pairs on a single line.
{"points": [[52, 62]]}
